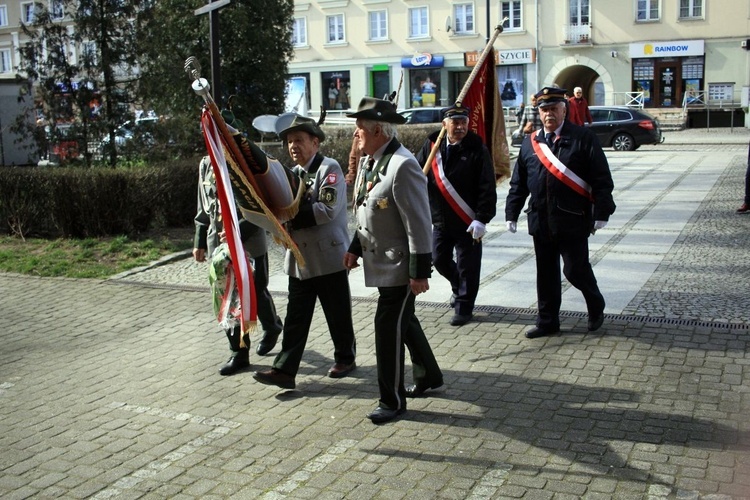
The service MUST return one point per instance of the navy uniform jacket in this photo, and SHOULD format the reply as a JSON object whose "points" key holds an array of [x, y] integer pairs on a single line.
{"points": [[555, 208], [394, 232], [320, 228], [469, 169]]}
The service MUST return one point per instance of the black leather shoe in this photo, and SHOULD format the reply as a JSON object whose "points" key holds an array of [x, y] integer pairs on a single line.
{"points": [[275, 377], [341, 370], [537, 332], [417, 390], [239, 361], [267, 343], [595, 322], [382, 415], [460, 319]]}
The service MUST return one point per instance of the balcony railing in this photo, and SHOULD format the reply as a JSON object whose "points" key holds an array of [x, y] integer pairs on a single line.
{"points": [[577, 34]]}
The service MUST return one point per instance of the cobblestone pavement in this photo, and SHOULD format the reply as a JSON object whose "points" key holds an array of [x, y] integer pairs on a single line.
{"points": [[109, 390]]}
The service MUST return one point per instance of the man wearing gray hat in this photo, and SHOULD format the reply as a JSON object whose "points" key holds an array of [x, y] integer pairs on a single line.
{"points": [[320, 231], [564, 172], [394, 239]]}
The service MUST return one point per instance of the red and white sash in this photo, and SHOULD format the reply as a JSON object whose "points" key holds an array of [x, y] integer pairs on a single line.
{"points": [[241, 267], [459, 206], [557, 168]]}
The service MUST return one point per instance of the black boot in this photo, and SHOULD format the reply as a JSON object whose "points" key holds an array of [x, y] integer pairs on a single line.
{"points": [[240, 358], [267, 343]]}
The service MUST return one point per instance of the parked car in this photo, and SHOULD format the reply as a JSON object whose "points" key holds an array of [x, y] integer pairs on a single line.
{"points": [[141, 129], [422, 115], [619, 127], [623, 128]]}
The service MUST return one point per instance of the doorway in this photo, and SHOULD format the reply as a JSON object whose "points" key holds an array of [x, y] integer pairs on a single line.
{"points": [[668, 91]]}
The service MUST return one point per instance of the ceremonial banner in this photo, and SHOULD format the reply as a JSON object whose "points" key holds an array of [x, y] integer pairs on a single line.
{"points": [[242, 273], [487, 118]]}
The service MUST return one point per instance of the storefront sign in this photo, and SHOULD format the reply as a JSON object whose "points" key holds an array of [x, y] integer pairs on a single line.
{"points": [[678, 48], [424, 60], [517, 56]]}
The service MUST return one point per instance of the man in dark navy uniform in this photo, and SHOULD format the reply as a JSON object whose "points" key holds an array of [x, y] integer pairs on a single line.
{"points": [[564, 171]]}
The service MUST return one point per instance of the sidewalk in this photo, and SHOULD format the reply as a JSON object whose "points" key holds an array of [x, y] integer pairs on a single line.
{"points": [[109, 389]]}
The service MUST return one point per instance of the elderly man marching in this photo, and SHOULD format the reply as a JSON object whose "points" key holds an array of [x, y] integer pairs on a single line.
{"points": [[564, 172], [461, 185], [321, 233], [394, 239]]}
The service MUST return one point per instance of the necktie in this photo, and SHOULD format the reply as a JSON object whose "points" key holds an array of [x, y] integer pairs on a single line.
{"points": [[550, 138]]}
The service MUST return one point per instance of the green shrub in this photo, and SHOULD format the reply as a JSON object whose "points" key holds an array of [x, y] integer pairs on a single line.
{"points": [[135, 197]]}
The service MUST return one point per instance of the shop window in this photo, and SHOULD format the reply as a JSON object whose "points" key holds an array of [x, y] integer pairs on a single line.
{"points": [[643, 80], [510, 82], [378, 25], [647, 10], [336, 93], [425, 88]]}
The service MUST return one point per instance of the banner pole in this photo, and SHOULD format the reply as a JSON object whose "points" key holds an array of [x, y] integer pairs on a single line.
{"points": [[487, 49]]}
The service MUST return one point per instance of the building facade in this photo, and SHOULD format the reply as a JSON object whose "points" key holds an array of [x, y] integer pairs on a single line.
{"points": [[650, 53]]}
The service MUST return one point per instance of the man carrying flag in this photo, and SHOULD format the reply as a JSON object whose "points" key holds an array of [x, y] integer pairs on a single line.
{"points": [[461, 186]]}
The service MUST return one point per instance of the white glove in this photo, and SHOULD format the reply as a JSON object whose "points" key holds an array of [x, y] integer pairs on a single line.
{"points": [[511, 225], [477, 229], [599, 224]]}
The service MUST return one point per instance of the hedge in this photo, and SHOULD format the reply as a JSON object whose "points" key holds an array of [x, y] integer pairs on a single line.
{"points": [[78, 203]]}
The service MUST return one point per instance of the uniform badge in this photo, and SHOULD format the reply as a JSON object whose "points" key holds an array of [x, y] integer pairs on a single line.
{"points": [[328, 196], [331, 179], [383, 203]]}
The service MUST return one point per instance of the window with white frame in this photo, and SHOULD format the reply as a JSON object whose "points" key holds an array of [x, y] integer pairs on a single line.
{"points": [[691, 9], [27, 12], [57, 9], [647, 10], [418, 22], [579, 12], [3, 15], [511, 10], [299, 32], [378, 23], [463, 13], [335, 28], [5, 66]]}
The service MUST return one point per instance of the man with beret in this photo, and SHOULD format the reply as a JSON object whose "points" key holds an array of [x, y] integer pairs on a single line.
{"points": [[320, 231], [393, 237], [208, 228], [461, 186], [564, 171]]}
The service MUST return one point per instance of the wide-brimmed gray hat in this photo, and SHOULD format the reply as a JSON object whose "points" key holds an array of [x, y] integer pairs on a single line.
{"points": [[378, 110], [303, 124]]}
